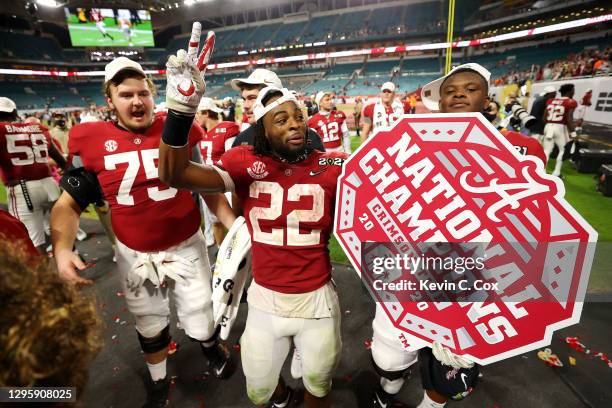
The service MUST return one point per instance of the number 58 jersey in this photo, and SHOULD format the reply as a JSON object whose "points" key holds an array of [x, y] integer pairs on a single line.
{"points": [[289, 210], [147, 215]]}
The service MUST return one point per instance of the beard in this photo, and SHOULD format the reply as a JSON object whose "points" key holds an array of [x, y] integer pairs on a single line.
{"points": [[289, 154]]}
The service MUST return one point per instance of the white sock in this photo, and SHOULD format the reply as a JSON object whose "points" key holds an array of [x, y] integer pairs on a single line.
{"points": [[158, 371], [391, 387], [429, 403]]}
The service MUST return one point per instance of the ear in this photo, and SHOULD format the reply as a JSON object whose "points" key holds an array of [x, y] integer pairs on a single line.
{"points": [[110, 103]]}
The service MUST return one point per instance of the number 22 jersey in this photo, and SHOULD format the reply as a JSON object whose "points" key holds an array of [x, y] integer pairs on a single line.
{"points": [[289, 210], [147, 215]]}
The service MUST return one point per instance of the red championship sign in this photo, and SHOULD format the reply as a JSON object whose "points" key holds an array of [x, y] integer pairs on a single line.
{"points": [[453, 178]]}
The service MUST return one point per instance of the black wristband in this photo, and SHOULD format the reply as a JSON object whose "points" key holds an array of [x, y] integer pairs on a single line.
{"points": [[176, 129]]}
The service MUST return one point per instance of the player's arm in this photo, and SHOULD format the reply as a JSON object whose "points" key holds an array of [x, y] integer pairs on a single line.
{"points": [[365, 131], [57, 156], [346, 137], [64, 222], [218, 205], [571, 126], [367, 122], [184, 89]]}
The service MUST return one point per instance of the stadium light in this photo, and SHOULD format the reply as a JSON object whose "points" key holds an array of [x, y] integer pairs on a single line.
{"points": [[48, 3], [189, 2]]}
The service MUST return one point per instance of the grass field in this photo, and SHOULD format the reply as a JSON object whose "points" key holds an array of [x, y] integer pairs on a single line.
{"points": [[88, 35], [580, 193]]}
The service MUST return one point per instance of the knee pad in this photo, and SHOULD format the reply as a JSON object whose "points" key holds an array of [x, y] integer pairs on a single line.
{"points": [[157, 343], [448, 381], [390, 375]]}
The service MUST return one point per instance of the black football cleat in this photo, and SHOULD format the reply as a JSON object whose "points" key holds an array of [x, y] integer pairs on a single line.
{"points": [[219, 360], [157, 395]]}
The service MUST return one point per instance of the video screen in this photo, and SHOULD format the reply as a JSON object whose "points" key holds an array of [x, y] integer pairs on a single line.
{"points": [[105, 27]]}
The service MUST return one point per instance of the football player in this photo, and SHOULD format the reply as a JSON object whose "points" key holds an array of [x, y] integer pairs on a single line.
{"points": [[287, 191], [96, 15], [249, 89], [25, 149], [383, 112], [218, 139], [559, 126], [330, 124], [444, 375], [126, 29], [153, 258]]}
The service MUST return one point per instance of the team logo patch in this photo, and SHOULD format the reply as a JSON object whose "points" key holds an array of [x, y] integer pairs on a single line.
{"points": [[258, 170], [111, 145], [137, 141]]}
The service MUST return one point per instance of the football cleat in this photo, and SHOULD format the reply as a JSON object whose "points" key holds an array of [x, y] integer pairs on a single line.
{"points": [[286, 403], [219, 360], [157, 396], [382, 399]]}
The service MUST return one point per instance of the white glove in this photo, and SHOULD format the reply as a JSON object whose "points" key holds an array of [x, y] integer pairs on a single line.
{"points": [[157, 266], [185, 73], [231, 273], [573, 135], [447, 357]]}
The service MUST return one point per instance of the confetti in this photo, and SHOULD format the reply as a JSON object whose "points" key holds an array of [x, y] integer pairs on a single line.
{"points": [[347, 312], [347, 378], [123, 322], [574, 343], [549, 358], [120, 293], [114, 336], [172, 347], [116, 319], [368, 344], [572, 360], [237, 347]]}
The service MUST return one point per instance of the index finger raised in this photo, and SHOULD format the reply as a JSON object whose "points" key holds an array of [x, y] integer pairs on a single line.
{"points": [[194, 40]]}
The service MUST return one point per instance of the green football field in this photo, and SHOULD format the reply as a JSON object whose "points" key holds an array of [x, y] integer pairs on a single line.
{"points": [[580, 193], [88, 35]]}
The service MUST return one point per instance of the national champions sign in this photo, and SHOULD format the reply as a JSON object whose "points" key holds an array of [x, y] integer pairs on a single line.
{"points": [[453, 178]]}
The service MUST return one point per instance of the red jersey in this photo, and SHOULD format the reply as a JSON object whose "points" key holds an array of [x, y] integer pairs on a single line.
{"points": [[558, 110], [329, 127], [147, 215], [13, 230], [96, 16], [24, 151], [289, 210], [525, 145], [217, 140]]}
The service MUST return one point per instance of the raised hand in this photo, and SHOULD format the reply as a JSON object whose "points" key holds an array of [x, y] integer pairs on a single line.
{"points": [[185, 73]]}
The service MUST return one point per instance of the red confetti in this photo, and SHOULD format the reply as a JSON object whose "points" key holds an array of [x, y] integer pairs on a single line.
{"points": [[120, 294], [574, 343], [237, 347], [116, 319], [368, 344], [172, 347]]}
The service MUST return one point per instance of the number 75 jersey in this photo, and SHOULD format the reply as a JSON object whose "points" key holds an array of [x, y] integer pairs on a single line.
{"points": [[289, 210], [147, 215]]}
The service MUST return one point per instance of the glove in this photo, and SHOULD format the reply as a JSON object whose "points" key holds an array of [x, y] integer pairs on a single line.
{"points": [[447, 357], [231, 272], [185, 73], [573, 135], [157, 266]]}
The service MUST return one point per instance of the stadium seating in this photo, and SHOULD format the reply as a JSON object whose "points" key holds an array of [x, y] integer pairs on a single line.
{"points": [[29, 47]]}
